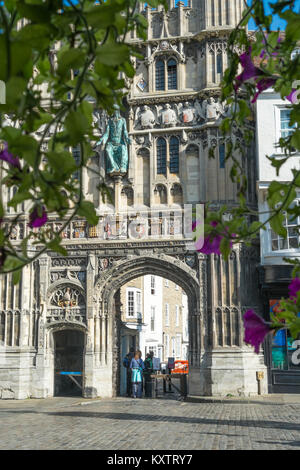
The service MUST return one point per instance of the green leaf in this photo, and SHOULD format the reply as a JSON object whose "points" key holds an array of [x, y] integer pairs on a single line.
{"points": [[36, 35], [55, 246], [62, 162], [87, 210], [20, 56], [225, 247], [276, 224], [26, 147], [69, 59], [113, 54], [76, 125]]}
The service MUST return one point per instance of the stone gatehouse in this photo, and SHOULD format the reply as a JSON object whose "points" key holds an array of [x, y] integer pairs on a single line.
{"points": [[68, 308]]}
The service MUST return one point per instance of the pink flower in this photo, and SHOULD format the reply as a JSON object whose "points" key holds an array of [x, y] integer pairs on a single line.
{"points": [[250, 70], [262, 80], [211, 243], [294, 287], [37, 219], [6, 156], [293, 96], [255, 329], [262, 85]]}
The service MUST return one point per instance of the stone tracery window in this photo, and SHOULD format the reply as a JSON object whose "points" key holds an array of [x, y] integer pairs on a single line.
{"points": [[160, 75], [166, 74], [172, 75], [174, 155], [161, 153]]}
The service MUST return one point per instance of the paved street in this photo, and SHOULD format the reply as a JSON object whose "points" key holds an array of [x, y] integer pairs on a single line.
{"points": [[272, 422]]}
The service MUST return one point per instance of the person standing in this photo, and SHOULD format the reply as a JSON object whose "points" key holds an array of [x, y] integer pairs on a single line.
{"points": [[126, 363], [147, 374], [137, 366]]}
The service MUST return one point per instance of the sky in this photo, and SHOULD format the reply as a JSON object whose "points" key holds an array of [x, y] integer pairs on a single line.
{"points": [[277, 22]]}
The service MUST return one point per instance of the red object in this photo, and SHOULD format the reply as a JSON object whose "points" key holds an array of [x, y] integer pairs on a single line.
{"points": [[181, 367]]}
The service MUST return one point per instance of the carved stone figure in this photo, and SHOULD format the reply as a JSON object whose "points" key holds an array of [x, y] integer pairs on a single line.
{"points": [[168, 116], [115, 140], [213, 109], [147, 118], [187, 113]]}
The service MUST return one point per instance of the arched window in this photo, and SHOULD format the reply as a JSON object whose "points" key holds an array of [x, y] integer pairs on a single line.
{"points": [[219, 63], [172, 74], [174, 155], [222, 155], [160, 75], [161, 156]]}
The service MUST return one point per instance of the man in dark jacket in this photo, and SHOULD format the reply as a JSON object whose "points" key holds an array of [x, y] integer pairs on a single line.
{"points": [[126, 363], [147, 373]]}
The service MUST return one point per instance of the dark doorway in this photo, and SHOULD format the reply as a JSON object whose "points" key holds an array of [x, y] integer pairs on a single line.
{"points": [[68, 362]]}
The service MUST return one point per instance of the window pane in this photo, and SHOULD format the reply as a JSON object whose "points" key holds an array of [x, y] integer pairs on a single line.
{"points": [[172, 75], [130, 303], [160, 76], [284, 122], [174, 155], [222, 155], [161, 156], [219, 63]]}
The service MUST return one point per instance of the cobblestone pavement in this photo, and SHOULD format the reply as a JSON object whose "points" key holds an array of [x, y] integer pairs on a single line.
{"points": [[160, 424]]}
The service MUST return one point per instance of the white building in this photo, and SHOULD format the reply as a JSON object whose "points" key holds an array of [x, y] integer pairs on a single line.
{"points": [[273, 116]]}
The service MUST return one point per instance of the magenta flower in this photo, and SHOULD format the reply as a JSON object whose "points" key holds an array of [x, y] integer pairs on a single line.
{"points": [[211, 243], [262, 80], [250, 70], [293, 96], [294, 287], [262, 85], [35, 219], [6, 156], [255, 329]]}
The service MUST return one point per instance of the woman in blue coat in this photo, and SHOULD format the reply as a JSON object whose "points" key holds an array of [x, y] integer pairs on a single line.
{"points": [[137, 367]]}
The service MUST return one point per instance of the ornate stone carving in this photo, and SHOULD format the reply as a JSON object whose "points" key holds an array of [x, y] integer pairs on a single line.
{"points": [[212, 109], [67, 297], [168, 116], [145, 118]]}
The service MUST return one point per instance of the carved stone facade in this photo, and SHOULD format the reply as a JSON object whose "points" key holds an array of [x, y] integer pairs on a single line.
{"points": [[173, 116]]}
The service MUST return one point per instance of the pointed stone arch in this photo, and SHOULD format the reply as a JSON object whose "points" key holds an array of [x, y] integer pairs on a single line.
{"points": [[108, 284]]}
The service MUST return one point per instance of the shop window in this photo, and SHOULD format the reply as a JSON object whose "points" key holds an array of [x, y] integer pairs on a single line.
{"points": [[283, 347]]}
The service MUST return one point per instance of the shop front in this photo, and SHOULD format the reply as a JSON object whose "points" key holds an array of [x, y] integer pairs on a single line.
{"points": [[282, 352]]}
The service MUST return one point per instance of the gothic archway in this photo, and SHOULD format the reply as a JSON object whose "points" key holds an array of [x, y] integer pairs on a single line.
{"points": [[112, 279]]}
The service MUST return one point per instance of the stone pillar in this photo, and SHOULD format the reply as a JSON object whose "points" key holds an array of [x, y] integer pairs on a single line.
{"points": [[228, 366], [42, 379], [89, 388]]}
